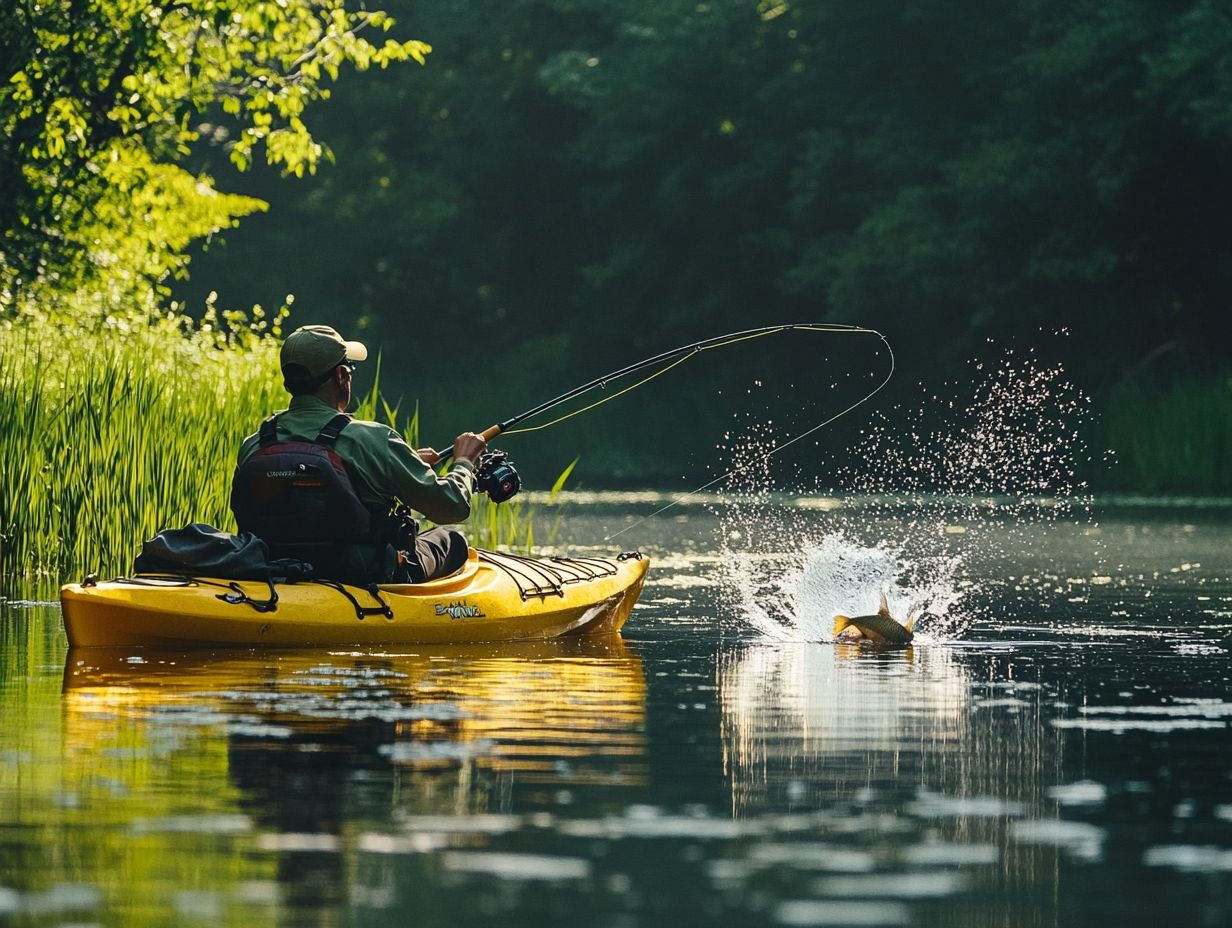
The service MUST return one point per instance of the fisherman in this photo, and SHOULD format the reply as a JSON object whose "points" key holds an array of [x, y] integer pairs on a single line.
{"points": [[318, 485]]}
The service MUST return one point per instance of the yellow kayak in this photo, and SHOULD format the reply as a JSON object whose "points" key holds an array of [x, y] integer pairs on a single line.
{"points": [[494, 597]]}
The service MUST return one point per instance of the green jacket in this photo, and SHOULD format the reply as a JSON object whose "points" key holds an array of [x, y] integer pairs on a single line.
{"points": [[386, 470]]}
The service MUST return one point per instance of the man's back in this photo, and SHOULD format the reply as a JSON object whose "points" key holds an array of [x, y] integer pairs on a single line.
{"points": [[385, 468]]}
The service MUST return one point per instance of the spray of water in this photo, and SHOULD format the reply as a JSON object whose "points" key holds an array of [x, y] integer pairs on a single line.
{"points": [[913, 510], [797, 601]]}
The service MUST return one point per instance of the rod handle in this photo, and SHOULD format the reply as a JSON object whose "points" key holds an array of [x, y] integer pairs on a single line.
{"points": [[488, 434]]}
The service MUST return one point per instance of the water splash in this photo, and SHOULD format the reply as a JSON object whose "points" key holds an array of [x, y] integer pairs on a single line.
{"points": [[1018, 437], [917, 507], [797, 601]]}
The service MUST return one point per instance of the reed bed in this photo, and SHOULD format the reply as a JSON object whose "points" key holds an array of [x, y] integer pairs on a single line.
{"points": [[1176, 440], [111, 432]]}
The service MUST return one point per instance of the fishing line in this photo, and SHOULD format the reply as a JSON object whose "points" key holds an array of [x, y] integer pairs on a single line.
{"points": [[787, 444], [677, 355], [670, 360]]}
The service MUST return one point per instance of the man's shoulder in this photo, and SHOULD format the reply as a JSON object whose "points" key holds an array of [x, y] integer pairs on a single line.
{"points": [[368, 427], [367, 432]]}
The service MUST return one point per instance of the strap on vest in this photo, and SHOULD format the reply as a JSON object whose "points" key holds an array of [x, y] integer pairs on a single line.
{"points": [[333, 428], [269, 432]]}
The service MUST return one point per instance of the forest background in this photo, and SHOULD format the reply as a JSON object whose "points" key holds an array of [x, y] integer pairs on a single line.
{"points": [[560, 187], [569, 186]]}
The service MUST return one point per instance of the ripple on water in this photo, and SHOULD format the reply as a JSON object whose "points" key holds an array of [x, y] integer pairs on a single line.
{"points": [[950, 855], [1182, 715], [510, 866], [1079, 793], [659, 826], [936, 885], [1080, 839], [1123, 726], [821, 912], [485, 824], [935, 805], [822, 857], [300, 842], [1190, 858], [373, 843], [224, 824], [61, 898], [413, 752], [199, 905]]}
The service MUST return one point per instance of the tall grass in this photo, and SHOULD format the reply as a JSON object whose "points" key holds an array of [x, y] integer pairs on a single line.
{"points": [[1175, 440], [109, 433], [113, 431]]}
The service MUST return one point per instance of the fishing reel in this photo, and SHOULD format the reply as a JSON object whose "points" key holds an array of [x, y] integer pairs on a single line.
{"points": [[496, 476]]}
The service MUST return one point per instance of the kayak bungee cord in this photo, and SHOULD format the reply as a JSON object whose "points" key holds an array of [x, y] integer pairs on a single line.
{"points": [[669, 360]]}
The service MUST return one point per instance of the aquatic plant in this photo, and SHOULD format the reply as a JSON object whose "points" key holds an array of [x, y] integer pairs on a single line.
{"points": [[1176, 440], [113, 430]]}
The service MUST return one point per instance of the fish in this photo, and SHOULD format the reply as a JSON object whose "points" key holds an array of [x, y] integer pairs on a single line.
{"points": [[880, 628]]}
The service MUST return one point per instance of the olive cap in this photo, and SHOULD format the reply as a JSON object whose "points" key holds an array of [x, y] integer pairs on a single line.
{"points": [[315, 350]]}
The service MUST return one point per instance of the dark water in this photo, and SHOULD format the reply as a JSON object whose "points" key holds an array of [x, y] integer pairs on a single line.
{"points": [[1054, 749]]}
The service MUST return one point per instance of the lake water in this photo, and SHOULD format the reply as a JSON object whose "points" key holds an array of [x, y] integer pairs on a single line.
{"points": [[1054, 748]]}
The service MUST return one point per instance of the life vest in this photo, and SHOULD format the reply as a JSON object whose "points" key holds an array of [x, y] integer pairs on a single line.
{"points": [[298, 495]]}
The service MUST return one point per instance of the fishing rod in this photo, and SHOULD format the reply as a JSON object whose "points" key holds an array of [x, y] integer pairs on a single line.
{"points": [[676, 355], [503, 481]]}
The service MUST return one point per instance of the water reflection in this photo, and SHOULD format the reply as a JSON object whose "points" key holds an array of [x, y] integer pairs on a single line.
{"points": [[1063, 764], [881, 739], [838, 718], [551, 713], [309, 759]]}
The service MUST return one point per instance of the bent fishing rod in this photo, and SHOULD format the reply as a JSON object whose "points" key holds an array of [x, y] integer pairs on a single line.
{"points": [[669, 360]]}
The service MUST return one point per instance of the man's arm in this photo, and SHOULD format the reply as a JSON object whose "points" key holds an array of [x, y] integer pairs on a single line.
{"points": [[406, 477], [388, 469]]}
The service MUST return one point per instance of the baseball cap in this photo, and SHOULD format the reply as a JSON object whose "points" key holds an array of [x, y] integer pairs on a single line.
{"points": [[315, 350]]}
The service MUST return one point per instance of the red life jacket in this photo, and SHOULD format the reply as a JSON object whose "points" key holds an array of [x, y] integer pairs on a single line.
{"points": [[298, 496]]}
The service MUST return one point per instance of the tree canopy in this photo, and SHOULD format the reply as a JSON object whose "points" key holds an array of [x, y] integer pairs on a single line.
{"points": [[102, 99], [947, 171]]}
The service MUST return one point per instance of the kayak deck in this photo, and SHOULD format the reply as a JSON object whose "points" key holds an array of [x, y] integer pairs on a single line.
{"points": [[493, 597]]}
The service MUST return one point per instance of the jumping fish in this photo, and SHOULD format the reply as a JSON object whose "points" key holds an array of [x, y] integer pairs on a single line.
{"points": [[881, 628]]}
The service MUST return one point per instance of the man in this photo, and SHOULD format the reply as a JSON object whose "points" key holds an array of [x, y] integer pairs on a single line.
{"points": [[320, 486]]}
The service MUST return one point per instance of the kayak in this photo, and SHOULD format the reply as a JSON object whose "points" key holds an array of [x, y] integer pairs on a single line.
{"points": [[493, 597]]}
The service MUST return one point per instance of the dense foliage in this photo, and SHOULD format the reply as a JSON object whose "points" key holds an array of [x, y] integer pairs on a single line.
{"points": [[593, 174], [119, 414], [100, 98]]}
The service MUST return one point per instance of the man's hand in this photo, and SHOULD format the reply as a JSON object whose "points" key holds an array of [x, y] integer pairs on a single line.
{"points": [[468, 446], [428, 455]]}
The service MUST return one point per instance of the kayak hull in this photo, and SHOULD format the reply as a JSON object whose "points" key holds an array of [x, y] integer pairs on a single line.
{"points": [[493, 597]]}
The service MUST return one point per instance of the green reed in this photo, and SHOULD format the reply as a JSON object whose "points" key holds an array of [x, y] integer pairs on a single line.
{"points": [[112, 432], [109, 433], [1173, 440]]}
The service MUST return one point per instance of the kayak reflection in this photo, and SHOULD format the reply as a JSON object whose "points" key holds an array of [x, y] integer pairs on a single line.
{"points": [[306, 755], [563, 712]]}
